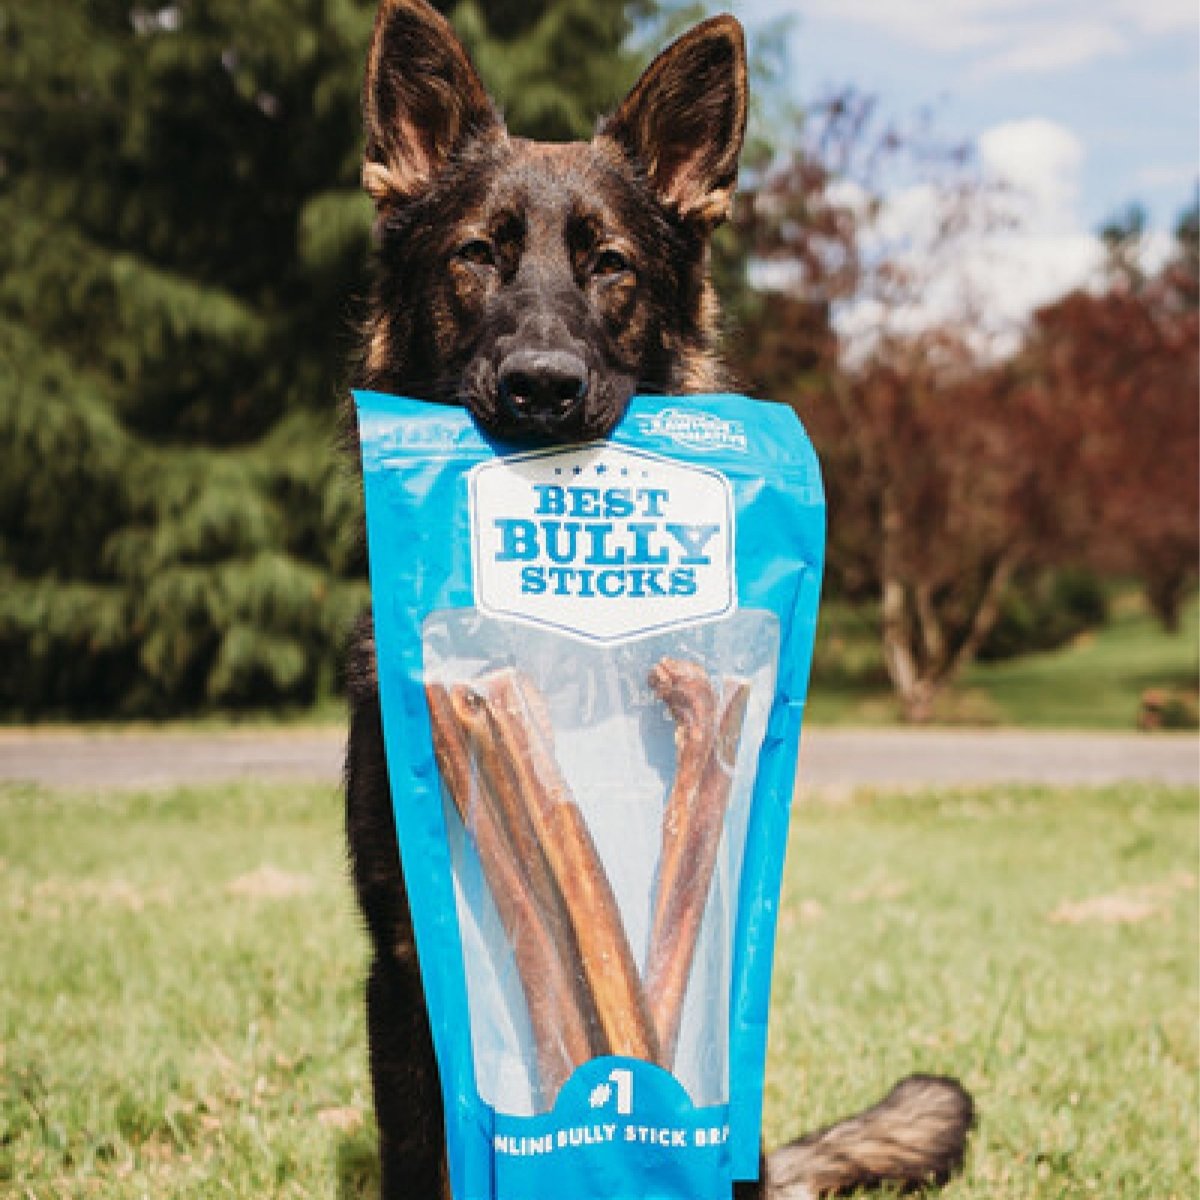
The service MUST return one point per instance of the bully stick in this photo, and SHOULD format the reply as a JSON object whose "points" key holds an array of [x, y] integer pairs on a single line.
{"points": [[559, 1026], [464, 707], [685, 689], [507, 705], [493, 762], [692, 828]]}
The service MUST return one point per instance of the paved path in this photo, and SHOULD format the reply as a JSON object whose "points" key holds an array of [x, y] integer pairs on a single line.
{"points": [[830, 757]]}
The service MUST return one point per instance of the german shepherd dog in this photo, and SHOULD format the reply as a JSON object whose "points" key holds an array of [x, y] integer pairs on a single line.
{"points": [[541, 286]]}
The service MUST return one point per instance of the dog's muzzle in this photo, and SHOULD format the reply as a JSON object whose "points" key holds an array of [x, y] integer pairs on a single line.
{"points": [[542, 389]]}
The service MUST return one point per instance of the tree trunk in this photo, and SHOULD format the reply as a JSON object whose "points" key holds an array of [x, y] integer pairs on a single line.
{"points": [[914, 686], [917, 705], [916, 650], [908, 673], [1165, 593], [987, 612]]}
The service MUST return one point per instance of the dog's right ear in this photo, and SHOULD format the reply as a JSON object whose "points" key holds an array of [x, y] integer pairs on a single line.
{"points": [[422, 100], [684, 121]]}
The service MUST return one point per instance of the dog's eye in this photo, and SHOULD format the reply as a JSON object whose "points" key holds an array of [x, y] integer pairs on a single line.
{"points": [[478, 252], [610, 262]]}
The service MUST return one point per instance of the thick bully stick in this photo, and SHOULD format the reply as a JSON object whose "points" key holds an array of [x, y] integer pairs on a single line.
{"points": [[494, 772], [559, 1026], [692, 829], [495, 768], [508, 705]]}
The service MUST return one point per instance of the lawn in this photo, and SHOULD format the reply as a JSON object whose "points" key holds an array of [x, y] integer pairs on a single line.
{"points": [[1095, 682], [1098, 680], [180, 1000]]}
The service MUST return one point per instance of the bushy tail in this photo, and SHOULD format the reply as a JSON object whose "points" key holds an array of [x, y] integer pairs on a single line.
{"points": [[915, 1136]]}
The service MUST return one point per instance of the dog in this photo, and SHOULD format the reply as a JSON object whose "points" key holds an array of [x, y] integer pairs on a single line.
{"points": [[541, 286]]}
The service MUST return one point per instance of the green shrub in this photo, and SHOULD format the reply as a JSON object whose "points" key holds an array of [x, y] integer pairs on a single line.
{"points": [[1046, 611]]}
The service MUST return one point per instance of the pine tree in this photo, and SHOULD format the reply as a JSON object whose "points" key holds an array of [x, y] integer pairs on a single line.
{"points": [[181, 241], [554, 65], [179, 234]]}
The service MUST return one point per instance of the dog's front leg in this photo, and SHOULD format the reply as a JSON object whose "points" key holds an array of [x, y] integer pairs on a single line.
{"points": [[408, 1101]]}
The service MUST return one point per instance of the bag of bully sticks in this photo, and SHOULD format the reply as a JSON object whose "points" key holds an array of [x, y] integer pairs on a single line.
{"points": [[592, 666]]}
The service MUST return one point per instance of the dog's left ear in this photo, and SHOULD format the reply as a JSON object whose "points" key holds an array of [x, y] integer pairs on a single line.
{"points": [[684, 121], [422, 100]]}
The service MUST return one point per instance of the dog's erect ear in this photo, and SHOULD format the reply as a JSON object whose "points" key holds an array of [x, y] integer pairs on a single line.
{"points": [[685, 119], [422, 100]]}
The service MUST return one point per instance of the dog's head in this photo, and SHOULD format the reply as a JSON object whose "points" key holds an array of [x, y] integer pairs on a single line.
{"points": [[542, 284]]}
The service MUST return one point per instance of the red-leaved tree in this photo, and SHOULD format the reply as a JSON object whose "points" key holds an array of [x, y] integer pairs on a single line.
{"points": [[1126, 362], [947, 478], [947, 471]]}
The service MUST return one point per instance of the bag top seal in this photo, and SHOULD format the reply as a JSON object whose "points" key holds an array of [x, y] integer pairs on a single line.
{"points": [[714, 429]]}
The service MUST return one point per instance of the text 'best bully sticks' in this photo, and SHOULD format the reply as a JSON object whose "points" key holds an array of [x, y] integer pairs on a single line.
{"points": [[495, 748]]}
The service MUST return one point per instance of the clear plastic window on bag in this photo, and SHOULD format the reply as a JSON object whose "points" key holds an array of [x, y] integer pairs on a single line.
{"points": [[597, 799]]}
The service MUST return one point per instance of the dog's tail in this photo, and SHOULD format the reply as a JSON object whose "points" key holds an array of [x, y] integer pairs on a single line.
{"points": [[915, 1136]]}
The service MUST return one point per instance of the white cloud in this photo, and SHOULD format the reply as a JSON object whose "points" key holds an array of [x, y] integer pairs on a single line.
{"points": [[1008, 36], [1014, 273], [935, 24], [1054, 50], [909, 218], [1027, 249], [1158, 16], [1040, 161]]}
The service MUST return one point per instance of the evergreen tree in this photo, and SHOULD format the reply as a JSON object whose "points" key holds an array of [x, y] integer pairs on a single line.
{"points": [[181, 239], [553, 65]]}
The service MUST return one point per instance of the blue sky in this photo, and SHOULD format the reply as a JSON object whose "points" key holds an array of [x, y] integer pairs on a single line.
{"points": [[1120, 76], [1078, 106]]}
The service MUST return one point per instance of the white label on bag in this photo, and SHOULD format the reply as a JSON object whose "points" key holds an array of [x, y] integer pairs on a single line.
{"points": [[601, 542]]}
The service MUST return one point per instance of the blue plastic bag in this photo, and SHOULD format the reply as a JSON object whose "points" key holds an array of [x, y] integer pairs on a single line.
{"points": [[592, 664]]}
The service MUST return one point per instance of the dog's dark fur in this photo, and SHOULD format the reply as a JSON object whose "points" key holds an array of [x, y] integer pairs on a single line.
{"points": [[541, 285]]}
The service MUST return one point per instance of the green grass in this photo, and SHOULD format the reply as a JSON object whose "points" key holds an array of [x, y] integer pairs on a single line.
{"points": [[917, 933], [175, 1020], [172, 1024], [1096, 682]]}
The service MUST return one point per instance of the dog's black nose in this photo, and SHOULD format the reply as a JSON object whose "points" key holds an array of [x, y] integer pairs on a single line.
{"points": [[542, 387]]}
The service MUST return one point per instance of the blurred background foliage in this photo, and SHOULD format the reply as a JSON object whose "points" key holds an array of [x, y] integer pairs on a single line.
{"points": [[182, 253], [182, 245]]}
